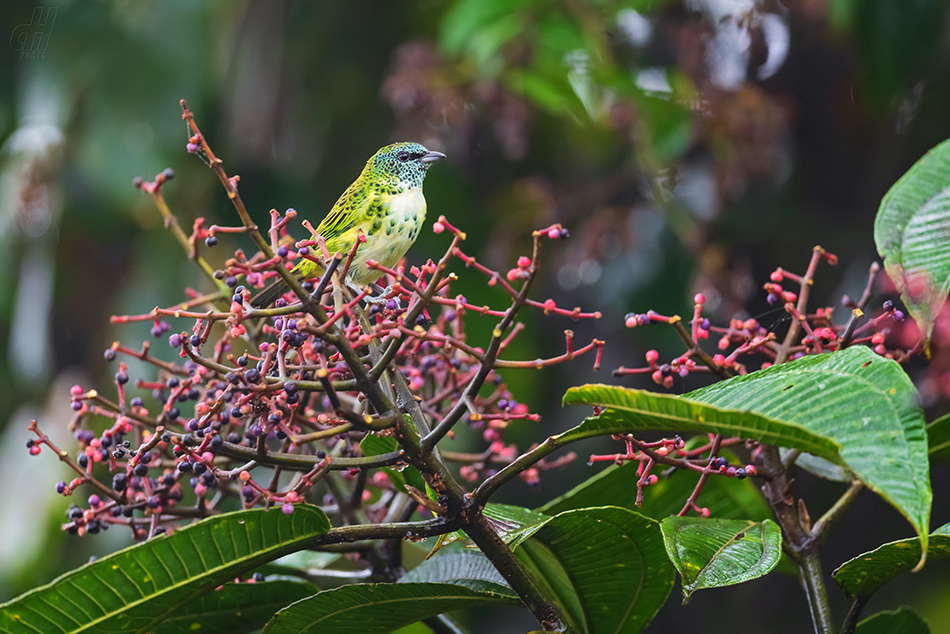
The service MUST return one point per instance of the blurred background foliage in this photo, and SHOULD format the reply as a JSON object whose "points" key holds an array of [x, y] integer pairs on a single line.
{"points": [[689, 146]]}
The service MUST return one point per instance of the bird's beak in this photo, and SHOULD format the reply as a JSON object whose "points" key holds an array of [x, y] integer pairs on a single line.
{"points": [[431, 157]]}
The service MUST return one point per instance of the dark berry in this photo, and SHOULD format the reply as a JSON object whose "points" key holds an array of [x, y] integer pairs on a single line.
{"points": [[242, 361], [137, 402], [188, 440], [168, 173], [741, 473], [231, 281], [141, 470], [234, 438], [211, 241], [109, 354], [173, 414], [200, 467], [121, 377], [60, 487], [252, 375], [216, 442], [184, 466], [173, 382], [195, 341], [257, 576]]}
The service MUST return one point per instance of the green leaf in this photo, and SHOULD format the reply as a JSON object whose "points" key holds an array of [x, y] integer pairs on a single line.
{"points": [[134, 589], [712, 553], [373, 445], [472, 570], [823, 468], [862, 401], [904, 620], [725, 498], [234, 609], [376, 608], [912, 232], [938, 438], [865, 574], [630, 410], [853, 402], [604, 569]]}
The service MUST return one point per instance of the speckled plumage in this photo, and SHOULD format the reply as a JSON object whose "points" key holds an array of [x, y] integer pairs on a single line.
{"points": [[385, 202]]}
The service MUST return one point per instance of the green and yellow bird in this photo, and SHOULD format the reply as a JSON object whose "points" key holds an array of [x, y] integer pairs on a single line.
{"points": [[386, 203]]}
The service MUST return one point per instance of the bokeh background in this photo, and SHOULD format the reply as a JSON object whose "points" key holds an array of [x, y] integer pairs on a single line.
{"points": [[689, 146]]}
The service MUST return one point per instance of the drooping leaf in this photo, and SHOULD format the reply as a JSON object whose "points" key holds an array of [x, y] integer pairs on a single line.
{"points": [[135, 588], [865, 574], [711, 553], [604, 569], [377, 608], [470, 569], [938, 438], [904, 620], [912, 233], [234, 609], [630, 410], [864, 402], [616, 486]]}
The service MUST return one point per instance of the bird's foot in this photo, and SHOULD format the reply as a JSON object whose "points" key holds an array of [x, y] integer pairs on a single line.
{"points": [[382, 299]]}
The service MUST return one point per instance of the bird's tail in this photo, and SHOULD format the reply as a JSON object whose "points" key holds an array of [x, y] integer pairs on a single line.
{"points": [[269, 294]]}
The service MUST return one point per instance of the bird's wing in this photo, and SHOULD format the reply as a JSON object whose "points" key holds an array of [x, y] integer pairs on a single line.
{"points": [[359, 204]]}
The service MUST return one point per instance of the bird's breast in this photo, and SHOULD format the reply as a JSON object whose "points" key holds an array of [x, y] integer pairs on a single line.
{"points": [[391, 234]]}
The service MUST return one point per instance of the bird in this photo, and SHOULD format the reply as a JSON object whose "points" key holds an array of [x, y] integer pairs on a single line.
{"points": [[385, 203]]}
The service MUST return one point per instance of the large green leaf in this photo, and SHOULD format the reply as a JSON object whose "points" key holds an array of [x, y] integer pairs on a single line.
{"points": [[938, 438], [234, 609], [135, 588], [865, 574], [604, 569], [904, 620], [864, 402], [912, 232], [711, 553], [630, 410], [853, 402], [615, 486], [470, 569], [377, 608]]}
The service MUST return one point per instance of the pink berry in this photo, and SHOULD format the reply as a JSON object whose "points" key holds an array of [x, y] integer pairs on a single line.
{"points": [[719, 359], [704, 512], [652, 356], [631, 321], [287, 509], [554, 234], [549, 305], [438, 227], [776, 276], [75, 390], [699, 298], [524, 262]]}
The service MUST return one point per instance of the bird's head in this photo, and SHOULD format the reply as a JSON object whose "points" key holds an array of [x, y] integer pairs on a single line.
{"points": [[405, 163]]}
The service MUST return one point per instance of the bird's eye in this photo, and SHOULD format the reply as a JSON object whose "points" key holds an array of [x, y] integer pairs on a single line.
{"points": [[403, 156]]}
